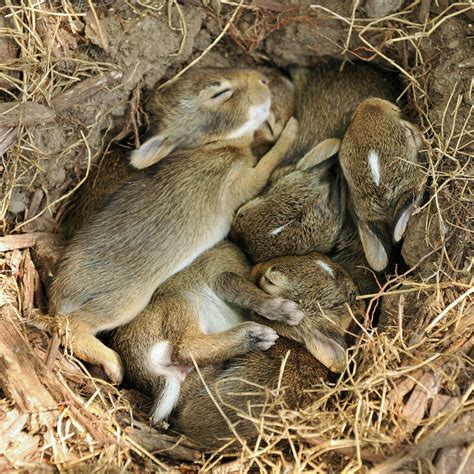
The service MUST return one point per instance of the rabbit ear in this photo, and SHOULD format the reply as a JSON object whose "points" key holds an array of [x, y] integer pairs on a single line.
{"points": [[152, 151], [328, 351], [402, 222], [321, 152], [373, 248]]}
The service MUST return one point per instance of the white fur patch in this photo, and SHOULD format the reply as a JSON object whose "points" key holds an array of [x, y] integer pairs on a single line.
{"points": [[215, 315], [256, 116], [401, 224], [160, 364], [325, 267], [374, 165], [168, 399], [279, 229]]}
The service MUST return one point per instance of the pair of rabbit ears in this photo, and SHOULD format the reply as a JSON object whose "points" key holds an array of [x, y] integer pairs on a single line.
{"points": [[378, 243], [152, 150], [320, 153]]}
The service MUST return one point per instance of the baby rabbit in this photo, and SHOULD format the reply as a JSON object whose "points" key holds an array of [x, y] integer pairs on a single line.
{"points": [[110, 173], [161, 220], [114, 167], [302, 211], [326, 96], [379, 158], [197, 313], [281, 110], [240, 386]]}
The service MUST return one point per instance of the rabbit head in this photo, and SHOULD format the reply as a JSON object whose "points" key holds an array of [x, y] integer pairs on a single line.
{"points": [[379, 158], [203, 106], [302, 211], [325, 294]]}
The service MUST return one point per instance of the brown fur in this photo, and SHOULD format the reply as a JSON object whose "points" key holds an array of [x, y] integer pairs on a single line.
{"points": [[377, 128], [241, 385], [283, 107], [213, 288], [114, 167], [106, 177], [327, 95], [166, 216], [310, 207]]}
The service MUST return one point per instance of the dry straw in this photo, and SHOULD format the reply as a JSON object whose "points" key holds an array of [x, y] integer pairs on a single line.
{"points": [[408, 392]]}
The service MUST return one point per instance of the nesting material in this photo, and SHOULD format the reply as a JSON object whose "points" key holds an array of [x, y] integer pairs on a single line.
{"points": [[71, 78]]}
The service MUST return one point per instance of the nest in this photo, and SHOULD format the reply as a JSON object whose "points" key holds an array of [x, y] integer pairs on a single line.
{"points": [[70, 81]]}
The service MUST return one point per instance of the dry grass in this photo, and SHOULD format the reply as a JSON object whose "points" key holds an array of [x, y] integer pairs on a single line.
{"points": [[406, 399]]}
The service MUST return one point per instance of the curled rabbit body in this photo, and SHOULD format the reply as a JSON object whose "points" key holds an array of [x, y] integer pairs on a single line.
{"points": [[380, 159], [326, 96], [161, 220], [241, 386], [198, 314], [305, 210], [113, 169]]}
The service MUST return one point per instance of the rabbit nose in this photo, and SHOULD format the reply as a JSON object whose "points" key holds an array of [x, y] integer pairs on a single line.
{"points": [[262, 78]]}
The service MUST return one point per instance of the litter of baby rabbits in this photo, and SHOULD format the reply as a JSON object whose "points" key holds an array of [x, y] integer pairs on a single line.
{"points": [[74, 77]]}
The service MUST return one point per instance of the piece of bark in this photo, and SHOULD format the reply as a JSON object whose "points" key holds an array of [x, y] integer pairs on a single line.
{"points": [[13, 114], [19, 380], [8, 52], [454, 435], [21, 241], [15, 442], [415, 408], [7, 139], [401, 388], [450, 459], [444, 403], [36, 389], [348, 452], [85, 89], [29, 280], [165, 445]]}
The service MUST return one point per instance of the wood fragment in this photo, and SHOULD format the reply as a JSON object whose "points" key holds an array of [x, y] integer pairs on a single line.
{"points": [[329, 445], [37, 390], [13, 114], [19, 380], [444, 403], [21, 241], [395, 396], [456, 434], [84, 90], [7, 139], [8, 52], [414, 410], [29, 279], [170, 446]]}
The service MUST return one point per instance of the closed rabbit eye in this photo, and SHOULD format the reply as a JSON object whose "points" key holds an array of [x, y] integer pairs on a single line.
{"points": [[217, 94], [267, 280], [227, 93]]}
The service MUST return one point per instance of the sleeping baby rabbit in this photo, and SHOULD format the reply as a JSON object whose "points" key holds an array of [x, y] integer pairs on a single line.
{"points": [[302, 211], [325, 97], [198, 314], [158, 222], [379, 157], [114, 168], [240, 386]]}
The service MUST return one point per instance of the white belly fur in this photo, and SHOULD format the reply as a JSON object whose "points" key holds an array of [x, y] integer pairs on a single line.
{"points": [[216, 315]]}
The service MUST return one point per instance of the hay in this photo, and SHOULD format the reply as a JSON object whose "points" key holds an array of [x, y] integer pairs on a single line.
{"points": [[406, 400]]}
